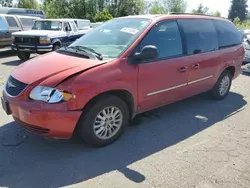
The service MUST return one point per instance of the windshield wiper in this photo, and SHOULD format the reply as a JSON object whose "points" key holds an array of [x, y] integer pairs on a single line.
{"points": [[87, 49]]}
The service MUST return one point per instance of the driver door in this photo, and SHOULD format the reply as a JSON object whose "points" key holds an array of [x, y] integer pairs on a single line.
{"points": [[161, 79]]}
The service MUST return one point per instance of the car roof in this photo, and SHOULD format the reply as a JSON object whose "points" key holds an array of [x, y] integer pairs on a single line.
{"points": [[20, 16], [157, 17]]}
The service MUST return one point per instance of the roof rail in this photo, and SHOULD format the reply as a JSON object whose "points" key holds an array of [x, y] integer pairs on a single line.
{"points": [[184, 13]]}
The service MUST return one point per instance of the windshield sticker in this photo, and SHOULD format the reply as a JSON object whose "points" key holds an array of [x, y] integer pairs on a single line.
{"points": [[129, 30]]}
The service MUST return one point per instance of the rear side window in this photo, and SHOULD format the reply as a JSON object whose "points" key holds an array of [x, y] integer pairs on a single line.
{"points": [[83, 24], [3, 24], [27, 22], [166, 37], [200, 35], [74, 26], [228, 35], [11, 21]]}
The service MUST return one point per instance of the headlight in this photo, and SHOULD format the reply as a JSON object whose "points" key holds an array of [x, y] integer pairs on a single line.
{"points": [[49, 95], [12, 38], [44, 40]]}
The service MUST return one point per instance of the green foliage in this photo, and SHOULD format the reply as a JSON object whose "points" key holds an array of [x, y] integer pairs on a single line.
{"points": [[176, 5], [30, 4], [200, 9], [238, 9], [90, 9], [156, 8], [125, 7], [6, 3], [217, 13], [236, 21], [241, 25], [102, 16], [164, 6]]}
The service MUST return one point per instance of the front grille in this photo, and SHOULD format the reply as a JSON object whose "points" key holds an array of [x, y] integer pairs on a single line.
{"points": [[27, 40], [32, 128], [14, 87]]}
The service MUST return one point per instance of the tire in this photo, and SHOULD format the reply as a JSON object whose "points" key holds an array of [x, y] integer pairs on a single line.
{"points": [[217, 92], [56, 47], [24, 56], [85, 126]]}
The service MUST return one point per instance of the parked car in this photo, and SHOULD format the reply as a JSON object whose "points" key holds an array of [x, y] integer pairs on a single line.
{"points": [[46, 35], [83, 24], [246, 44], [126, 66], [22, 12], [96, 24], [13, 23]]}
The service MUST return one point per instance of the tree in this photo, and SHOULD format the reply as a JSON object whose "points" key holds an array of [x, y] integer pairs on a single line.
{"points": [[57, 8], [236, 21], [6, 3], [30, 4], [217, 13], [200, 9], [176, 5], [156, 8], [119, 8], [238, 9], [102, 16]]}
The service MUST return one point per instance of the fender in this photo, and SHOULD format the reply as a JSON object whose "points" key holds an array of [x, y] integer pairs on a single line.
{"points": [[89, 84], [56, 40]]}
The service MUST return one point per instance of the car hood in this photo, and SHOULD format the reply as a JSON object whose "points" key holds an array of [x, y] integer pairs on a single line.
{"points": [[52, 68], [34, 33]]}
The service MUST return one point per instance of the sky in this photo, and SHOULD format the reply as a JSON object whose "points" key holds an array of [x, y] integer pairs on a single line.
{"points": [[213, 5]]}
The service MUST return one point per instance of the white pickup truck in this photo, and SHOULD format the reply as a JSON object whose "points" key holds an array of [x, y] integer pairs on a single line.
{"points": [[46, 35]]}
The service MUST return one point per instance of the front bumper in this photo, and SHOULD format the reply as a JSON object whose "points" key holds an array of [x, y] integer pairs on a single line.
{"points": [[38, 118], [32, 48]]}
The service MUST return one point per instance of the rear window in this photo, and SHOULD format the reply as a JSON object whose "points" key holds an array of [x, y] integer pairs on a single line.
{"points": [[228, 35], [11, 21], [27, 22], [3, 24], [200, 35]]}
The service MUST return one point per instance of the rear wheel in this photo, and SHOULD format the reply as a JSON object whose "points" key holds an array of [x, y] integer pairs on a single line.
{"points": [[23, 55], [223, 85], [104, 121]]}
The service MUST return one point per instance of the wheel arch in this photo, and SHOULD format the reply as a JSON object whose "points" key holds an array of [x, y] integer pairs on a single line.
{"points": [[124, 95]]}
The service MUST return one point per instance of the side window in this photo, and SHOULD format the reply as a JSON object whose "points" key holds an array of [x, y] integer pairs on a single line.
{"points": [[228, 35], [74, 26], [200, 35], [166, 37], [11, 21], [3, 24], [66, 24]]}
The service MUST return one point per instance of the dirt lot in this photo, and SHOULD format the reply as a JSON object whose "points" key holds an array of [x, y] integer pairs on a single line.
{"points": [[196, 143]]}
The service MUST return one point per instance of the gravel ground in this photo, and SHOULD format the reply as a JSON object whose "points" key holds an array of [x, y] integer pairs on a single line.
{"points": [[195, 143]]}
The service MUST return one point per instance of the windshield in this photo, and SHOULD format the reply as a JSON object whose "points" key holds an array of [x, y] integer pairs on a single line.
{"points": [[112, 38], [47, 25]]}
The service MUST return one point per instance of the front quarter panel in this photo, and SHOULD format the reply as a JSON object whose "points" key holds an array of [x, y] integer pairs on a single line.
{"points": [[108, 77]]}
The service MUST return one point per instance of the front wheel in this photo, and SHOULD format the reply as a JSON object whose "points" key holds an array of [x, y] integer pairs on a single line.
{"points": [[223, 85], [23, 55], [103, 121]]}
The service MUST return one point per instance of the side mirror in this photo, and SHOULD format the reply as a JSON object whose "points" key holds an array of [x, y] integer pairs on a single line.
{"points": [[148, 52]]}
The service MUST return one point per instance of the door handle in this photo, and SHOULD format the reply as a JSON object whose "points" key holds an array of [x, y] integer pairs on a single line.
{"points": [[183, 69], [196, 66]]}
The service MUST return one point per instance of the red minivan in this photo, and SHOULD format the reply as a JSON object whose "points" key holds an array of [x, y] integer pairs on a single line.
{"points": [[124, 67]]}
